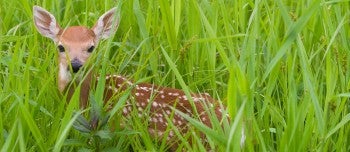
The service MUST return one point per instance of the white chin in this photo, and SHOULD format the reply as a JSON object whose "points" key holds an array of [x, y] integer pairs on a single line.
{"points": [[64, 73]]}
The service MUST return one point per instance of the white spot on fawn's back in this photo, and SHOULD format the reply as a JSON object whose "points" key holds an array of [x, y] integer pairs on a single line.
{"points": [[125, 110], [155, 104]]}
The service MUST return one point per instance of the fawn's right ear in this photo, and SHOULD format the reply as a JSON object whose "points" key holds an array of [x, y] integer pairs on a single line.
{"points": [[46, 23]]}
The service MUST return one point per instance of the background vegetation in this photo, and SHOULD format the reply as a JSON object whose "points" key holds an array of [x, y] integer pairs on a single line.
{"points": [[281, 67]]}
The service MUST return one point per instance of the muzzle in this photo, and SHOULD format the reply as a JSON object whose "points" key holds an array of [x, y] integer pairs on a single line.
{"points": [[76, 65]]}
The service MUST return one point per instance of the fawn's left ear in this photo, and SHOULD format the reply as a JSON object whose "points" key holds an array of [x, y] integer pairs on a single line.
{"points": [[46, 23], [107, 24]]}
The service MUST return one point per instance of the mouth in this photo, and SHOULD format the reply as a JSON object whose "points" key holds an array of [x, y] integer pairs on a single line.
{"points": [[74, 69]]}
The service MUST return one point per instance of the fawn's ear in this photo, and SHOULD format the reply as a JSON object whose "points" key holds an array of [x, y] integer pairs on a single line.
{"points": [[106, 24], [46, 23]]}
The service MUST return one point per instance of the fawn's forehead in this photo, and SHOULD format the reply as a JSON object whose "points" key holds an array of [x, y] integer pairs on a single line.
{"points": [[77, 34]]}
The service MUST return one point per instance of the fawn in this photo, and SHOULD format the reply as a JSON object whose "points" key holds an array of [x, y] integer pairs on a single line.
{"points": [[75, 45]]}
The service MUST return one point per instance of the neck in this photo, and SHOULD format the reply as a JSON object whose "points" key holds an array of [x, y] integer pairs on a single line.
{"points": [[73, 85]]}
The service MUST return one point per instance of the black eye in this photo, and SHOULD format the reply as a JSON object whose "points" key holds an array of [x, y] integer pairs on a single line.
{"points": [[60, 48], [91, 49]]}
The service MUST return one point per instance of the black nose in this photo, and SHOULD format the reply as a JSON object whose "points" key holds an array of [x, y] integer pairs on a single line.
{"points": [[76, 65]]}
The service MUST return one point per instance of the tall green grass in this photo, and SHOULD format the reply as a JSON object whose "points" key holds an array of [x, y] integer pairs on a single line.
{"points": [[281, 67]]}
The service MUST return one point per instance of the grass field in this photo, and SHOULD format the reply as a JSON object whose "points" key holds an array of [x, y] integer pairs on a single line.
{"points": [[281, 67]]}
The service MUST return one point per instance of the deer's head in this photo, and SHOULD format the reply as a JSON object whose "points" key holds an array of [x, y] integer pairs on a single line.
{"points": [[74, 44]]}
